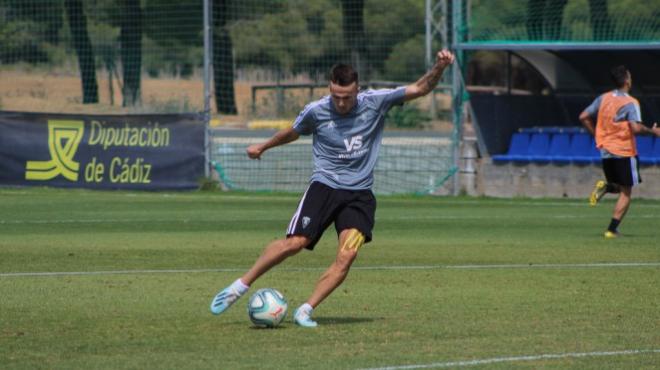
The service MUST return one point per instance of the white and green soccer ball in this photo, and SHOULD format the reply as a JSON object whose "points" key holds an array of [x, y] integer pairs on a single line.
{"points": [[267, 307]]}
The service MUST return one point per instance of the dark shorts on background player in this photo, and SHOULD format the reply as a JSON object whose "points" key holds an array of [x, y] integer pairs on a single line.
{"points": [[622, 171], [322, 205]]}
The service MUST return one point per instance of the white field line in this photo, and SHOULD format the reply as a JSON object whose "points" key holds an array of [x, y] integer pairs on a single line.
{"points": [[403, 141], [359, 268], [488, 361], [381, 218], [294, 197]]}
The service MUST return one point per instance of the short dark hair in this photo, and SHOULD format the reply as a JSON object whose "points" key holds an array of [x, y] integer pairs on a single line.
{"points": [[620, 75], [343, 74]]}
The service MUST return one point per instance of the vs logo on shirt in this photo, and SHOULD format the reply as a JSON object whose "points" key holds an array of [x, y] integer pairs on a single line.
{"points": [[355, 143]]}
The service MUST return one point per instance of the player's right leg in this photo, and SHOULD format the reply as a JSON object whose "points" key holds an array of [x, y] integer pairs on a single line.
{"points": [[620, 210], [624, 172], [227, 296], [309, 221], [272, 255]]}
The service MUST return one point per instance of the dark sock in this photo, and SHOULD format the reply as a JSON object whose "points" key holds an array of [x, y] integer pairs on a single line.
{"points": [[613, 225], [612, 188]]}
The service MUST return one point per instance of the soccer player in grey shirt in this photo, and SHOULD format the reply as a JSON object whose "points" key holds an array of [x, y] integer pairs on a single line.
{"points": [[347, 128]]}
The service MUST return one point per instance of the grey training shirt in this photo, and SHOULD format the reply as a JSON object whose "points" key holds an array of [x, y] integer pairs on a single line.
{"points": [[345, 147]]}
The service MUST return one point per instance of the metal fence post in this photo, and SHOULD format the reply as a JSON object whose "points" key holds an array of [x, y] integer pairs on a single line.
{"points": [[208, 53]]}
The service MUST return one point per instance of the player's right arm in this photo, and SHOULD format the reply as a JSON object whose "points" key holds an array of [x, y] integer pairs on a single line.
{"points": [[281, 137], [588, 115], [303, 125], [588, 122]]}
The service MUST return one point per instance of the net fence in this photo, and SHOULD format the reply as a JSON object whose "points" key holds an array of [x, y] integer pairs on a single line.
{"points": [[407, 164], [269, 59], [74, 56], [583, 21], [281, 54]]}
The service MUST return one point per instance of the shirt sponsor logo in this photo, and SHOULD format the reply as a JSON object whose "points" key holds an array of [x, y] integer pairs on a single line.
{"points": [[354, 144], [354, 148]]}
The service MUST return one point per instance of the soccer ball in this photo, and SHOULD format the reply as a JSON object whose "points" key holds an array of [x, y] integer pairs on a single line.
{"points": [[267, 307]]}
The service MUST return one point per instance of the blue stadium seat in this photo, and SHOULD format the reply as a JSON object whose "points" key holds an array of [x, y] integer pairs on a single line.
{"points": [[575, 129], [517, 150], [574, 145], [581, 149], [655, 154], [594, 152], [645, 149], [538, 147], [560, 146], [554, 129]]}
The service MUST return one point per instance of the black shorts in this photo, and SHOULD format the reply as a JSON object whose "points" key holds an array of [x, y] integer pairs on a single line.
{"points": [[622, 171], [322, 205]]}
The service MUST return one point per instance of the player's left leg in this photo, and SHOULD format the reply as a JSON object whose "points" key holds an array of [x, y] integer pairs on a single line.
{"points": [[613, 168], [601, 189], [350, 241], [353, 221]]}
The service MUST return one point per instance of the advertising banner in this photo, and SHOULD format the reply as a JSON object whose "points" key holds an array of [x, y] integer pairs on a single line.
{"points": [[149, 152]]}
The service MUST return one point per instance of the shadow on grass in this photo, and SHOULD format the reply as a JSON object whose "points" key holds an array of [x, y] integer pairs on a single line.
{"points": [[345, 320], [279, 327], [322, 321]]}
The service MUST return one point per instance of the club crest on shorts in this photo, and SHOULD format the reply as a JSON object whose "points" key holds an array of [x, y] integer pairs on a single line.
{"points": [[305, 221]]}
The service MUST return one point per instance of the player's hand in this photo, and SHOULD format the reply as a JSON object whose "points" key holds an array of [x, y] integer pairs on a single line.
{"points": [[656, 129], [254, 151], [444, 58]]}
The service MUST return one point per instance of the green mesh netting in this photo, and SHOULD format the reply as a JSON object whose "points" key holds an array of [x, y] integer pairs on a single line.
{"points": [[612, 21]]}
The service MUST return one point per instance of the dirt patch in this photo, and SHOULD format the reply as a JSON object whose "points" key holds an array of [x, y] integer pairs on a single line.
{"points": [[61, 92]]}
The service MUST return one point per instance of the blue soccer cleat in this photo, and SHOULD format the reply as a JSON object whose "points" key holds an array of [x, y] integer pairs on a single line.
{"points": [[223, 300], [302, 318]]}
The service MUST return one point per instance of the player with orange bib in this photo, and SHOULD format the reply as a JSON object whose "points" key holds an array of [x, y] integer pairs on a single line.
{"points": [[618, 120]]}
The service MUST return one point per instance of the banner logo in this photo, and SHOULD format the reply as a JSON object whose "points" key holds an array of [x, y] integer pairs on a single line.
{"points": [[63, 140]]}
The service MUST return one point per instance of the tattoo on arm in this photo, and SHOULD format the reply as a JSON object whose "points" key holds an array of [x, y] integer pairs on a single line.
{"points": [[431, 78], [282, 137]]}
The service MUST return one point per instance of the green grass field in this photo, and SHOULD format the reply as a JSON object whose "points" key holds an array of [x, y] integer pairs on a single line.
{"points": [[497, 282]]}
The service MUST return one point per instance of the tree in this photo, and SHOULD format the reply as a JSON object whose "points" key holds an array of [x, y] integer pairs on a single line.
{"points": [[544, 19], [223, 66], [130, 38], [354, 36], [78, 26], [600, 20]]}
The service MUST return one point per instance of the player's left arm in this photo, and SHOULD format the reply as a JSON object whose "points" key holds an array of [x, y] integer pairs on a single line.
{"points": [[427, 83], [633, 115], [640, 128]]}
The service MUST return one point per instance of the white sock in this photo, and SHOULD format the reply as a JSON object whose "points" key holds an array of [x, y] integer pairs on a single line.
{"points": [[307, 308], [239, 286]]}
